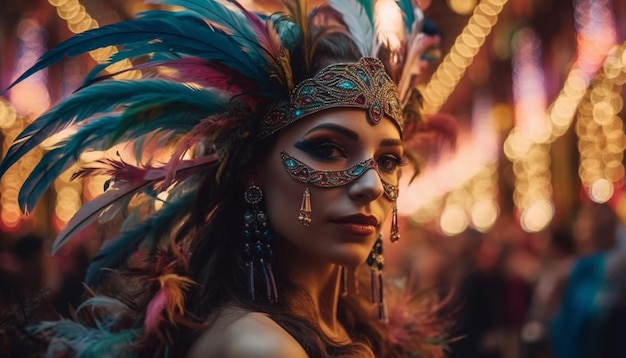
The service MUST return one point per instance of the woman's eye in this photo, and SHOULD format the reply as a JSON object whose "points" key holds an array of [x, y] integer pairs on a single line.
{"points": [[389, 163], [329, 150], [322, 149]]}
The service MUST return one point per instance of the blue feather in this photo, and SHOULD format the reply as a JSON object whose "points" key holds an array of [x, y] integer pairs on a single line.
{"points": [[185, 33], [90, 137], [158, 50], [107, 96], [234, 22], [117, 251], [177, 116]]}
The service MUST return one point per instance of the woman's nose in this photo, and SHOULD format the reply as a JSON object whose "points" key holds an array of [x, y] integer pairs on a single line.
{"points": [[368, 187]]}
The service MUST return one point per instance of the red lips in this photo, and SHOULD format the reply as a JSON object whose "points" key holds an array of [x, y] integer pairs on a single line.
{"points": [[359, 219], [358, 224]]}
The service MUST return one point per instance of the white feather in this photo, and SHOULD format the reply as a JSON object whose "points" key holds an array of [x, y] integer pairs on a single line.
{"points": [[359, 24], [389, 25]]}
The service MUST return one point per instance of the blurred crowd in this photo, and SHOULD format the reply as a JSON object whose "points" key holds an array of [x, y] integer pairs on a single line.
{"points": [[558, 293], [510, 294]]}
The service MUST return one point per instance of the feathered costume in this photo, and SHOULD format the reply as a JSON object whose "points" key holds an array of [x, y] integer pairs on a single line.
{"points": [[210, 71]]}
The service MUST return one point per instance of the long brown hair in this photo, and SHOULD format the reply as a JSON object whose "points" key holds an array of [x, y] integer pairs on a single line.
{"points": [[217, 261]]}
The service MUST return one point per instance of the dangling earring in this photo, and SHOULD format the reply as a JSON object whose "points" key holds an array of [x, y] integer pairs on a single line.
{"points": [[257, 237], [376, 262], [395, 230], [343, 272], [305, 208]]}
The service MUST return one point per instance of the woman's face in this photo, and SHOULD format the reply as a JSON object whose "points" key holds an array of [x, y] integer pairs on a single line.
{"points": [[346, 219]]}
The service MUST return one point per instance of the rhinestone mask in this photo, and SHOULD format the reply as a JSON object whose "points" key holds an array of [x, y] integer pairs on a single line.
{"points": [[334, 178]]}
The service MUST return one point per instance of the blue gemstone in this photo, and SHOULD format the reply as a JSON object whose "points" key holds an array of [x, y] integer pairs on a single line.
{"points": [[358, 170], [346, 85], [248, 218], [298, 112], [307, 90], [258, 248], [364, 77], [290, 163]]}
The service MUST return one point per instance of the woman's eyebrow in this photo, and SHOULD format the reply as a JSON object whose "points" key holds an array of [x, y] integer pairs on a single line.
{"points": [[391, 143], [348, 133]]}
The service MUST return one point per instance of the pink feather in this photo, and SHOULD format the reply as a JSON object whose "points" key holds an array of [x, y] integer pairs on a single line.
{"points": [[155, 308], [168, 302], [415, 322], [269, 40], [215, 75], [128, 180], [260, 29]]}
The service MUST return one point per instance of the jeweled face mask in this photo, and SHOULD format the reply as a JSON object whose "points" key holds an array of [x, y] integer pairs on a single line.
{"points": [[335, 178]]}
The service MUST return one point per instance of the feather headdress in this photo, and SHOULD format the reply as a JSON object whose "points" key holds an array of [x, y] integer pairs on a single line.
{"points": [[211, 69]]}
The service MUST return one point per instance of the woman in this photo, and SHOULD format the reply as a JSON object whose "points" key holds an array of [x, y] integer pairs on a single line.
{"points": [[278, 151]]}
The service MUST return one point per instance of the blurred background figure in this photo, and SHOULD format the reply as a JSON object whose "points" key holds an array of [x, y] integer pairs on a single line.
{"points": [[583, 326], [22, 294], [492, 291], [555, 266]]}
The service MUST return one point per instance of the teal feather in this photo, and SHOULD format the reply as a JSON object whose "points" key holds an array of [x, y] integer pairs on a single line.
{"points": [[290, 34], [104, 132], [408, 13], [86, 342], [234, 22], [185, 34], [92, 137], [105, 303], [368, 7], [157, 49], [118, 250], [108, 96]]}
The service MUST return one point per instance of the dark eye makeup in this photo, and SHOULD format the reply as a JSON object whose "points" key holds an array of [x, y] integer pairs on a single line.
{"points": [[390, 163], [322, 149]]}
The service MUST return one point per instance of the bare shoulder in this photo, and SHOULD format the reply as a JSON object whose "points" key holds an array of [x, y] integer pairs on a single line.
{"points": [[236, 333]]}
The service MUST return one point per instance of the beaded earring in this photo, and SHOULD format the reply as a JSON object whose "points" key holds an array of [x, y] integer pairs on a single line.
{"points": [[376, 262], [257, 238]]}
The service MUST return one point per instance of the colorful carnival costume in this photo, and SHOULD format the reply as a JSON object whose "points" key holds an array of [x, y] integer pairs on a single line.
{"points": [[216, 81]]}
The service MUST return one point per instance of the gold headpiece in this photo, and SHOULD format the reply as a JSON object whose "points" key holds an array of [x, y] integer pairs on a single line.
{"points": [[364, 84]]}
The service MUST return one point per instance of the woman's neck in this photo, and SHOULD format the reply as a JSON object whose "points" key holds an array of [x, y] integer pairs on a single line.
{"points": [[321, 281], [325, 290]]}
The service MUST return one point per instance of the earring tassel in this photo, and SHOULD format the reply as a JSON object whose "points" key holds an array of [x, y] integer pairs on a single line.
{"points": [[382, 314], [395, 231], [250, 266], [373, 286], [305, 209], [344, 281], [270, 283], [376, 262]]}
